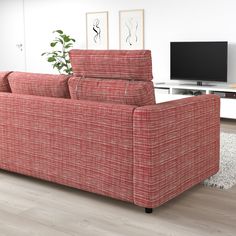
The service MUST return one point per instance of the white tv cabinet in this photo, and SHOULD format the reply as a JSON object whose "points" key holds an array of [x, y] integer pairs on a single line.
{"points": [[168, 91]]}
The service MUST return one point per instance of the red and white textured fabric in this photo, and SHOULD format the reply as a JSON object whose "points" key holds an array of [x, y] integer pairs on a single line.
{"points": [[83, 144], [112, 64], [146, 155], [39, 84], [176, 145], [4, 85], [139, 93]]}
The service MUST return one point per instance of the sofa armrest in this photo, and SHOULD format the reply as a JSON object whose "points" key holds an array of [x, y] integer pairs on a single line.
{"points": [[176, 145]]}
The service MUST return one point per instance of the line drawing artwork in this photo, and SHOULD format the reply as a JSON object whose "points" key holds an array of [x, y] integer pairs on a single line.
{"points": [[132, 28], [97, 30], [131, 24]]}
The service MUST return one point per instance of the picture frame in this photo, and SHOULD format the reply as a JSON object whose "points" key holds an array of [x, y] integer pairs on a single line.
{"points": [[131, 24], [97, 30]]}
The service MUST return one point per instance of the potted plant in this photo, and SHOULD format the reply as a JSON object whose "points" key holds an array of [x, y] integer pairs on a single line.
{"points": [[59, 56]]}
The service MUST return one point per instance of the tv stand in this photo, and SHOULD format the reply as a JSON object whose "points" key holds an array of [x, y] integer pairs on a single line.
{"points": [[169, 91], [204, 85]]}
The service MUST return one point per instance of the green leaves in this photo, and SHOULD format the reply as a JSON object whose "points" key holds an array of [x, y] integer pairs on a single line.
{"points": [[66, 38], [58, 31], [53, 44], [68, 45], [51, 59], [60, 58]]}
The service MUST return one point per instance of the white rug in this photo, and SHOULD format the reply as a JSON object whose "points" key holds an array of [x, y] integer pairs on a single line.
{"points": [[226, 177]]}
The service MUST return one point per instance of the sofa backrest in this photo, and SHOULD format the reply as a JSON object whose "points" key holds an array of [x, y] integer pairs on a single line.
{"points": [[118, 76], [39, 84], [138, 93], [112, 64], [4, 85], [83, 144]]}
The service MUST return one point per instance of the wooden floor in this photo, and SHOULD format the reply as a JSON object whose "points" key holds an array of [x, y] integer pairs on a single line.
{"points": [[33, 207]]}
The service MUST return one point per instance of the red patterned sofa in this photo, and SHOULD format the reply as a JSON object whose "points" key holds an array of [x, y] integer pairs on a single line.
{"points": [[110, 138]]}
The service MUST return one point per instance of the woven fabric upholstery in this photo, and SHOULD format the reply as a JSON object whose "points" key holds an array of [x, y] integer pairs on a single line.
{"points": [[4, 85], [122, 64], [176, 145], [83, 144], [139, 93], [39, 84]]}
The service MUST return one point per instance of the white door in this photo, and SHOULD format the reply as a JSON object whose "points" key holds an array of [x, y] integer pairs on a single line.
{"points": [[12, 42]]}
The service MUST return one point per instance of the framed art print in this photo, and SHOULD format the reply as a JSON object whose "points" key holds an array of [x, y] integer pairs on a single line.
{"points": [[97, 30], [131, 29]]}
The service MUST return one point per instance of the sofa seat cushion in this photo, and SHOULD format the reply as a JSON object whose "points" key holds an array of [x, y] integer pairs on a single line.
{"points": [[39, 84], [138, 93], [112, 64], [4, 85]]}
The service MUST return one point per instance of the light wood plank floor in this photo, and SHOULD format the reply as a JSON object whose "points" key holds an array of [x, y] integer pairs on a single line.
{"points": [[33, 207]]}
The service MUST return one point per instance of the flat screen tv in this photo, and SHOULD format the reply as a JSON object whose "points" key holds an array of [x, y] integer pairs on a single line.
{"points": [[199, 61]]}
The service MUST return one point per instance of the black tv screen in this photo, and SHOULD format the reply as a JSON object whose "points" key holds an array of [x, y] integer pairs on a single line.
{"points": [[199, 61]]}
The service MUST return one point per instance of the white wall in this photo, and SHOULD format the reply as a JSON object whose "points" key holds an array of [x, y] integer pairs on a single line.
{"points": [[165, 21], [11, 35]]}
